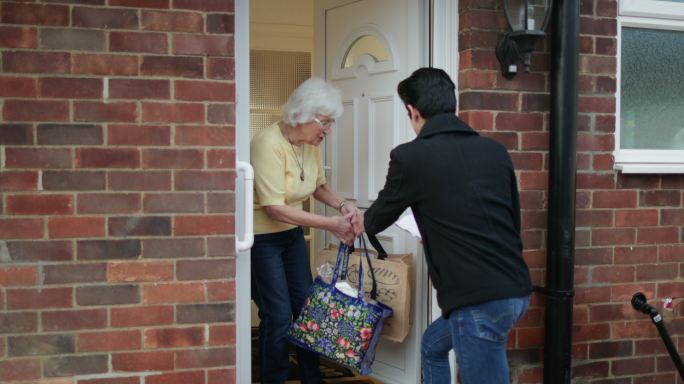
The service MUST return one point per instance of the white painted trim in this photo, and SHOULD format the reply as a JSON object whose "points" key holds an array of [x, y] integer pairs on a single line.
{"points": [[445, 37], [243, 323], [652, 8]]}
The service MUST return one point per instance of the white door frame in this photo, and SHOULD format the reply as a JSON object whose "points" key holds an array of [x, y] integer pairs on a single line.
{"points": [[444, 55]]}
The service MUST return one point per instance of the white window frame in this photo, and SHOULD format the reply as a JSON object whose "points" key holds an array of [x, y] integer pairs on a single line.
{"points": [[649, 14]]}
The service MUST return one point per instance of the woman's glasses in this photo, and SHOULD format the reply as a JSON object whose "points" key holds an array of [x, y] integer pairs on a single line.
{"points": [[324, 123]]}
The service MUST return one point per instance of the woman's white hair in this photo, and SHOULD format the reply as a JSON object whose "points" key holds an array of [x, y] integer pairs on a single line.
{"points": [[314, 96]]}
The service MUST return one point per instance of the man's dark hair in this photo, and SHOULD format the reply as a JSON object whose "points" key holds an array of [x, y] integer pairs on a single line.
{"points": [[430, 90]]}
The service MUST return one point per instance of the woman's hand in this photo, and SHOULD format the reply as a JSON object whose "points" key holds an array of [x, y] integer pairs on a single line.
{"points": [[342, 228], [356, 218]]}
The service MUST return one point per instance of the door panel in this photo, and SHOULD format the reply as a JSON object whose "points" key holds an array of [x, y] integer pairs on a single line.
{"points": [[363, 49]]}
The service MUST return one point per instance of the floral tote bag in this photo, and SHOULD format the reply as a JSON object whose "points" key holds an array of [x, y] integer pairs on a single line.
{"points": [[344, 328]]}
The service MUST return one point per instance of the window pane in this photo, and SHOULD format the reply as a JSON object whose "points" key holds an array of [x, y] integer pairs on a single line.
{"points": [[365, 45], [652, 89]]}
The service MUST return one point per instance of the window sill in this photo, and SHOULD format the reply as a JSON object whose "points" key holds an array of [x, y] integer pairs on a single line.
{"points": [[649, 161]]}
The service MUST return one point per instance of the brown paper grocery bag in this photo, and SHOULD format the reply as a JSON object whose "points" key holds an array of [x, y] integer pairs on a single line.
{"points": [[393, 276]]}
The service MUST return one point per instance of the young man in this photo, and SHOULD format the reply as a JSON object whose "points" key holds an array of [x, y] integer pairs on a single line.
{"points": [[463, 193]]}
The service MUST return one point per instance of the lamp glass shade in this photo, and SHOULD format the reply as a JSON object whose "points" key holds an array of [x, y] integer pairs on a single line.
{"points": [[525, 15]]}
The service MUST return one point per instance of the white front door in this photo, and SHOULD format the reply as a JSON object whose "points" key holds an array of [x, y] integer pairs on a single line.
{"points": [[365, 47]]}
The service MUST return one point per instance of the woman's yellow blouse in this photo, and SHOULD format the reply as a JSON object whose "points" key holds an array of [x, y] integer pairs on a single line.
{"points": [[276, 176]]}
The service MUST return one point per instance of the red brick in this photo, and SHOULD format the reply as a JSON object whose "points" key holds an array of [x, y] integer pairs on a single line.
{"points": [[479, 120], [669, 253], [39, 298], [533, 180], [40, 250], [635, 255], [139, 226], [16, 13], [173, 248], [16, 134], [203, 358], [173, 112], [167, 66], [140, 181], [139, 135], [138, 89], [140, 3], [656, 272], [636, 218], [39, 204], [602, 162], [593, 218], [519, 121], [142, 316], [534, 141], [527, 161], [17, 87], [190, 90], [614, 236], [134, 271], [35, 110], [69, 273], [205, 5], [97, 111], [660, 199], [108, 341], [204, 225], [173, 158], [70, 88], [221, 291], [222, 334], [200, 269], [598, 26], [11, 276], [633, 366], [19, 369], [108, 203], [69, 227], [203, 45], [221, 114], [107, 158], [173, 203], [614, 199], [478, 59], [116, 65], [21, 228], [220, 203], [173, 337], [204, 180], [73, 180], [172, 21], [596, 65], [624, 292], [203, 135], [613, 274], [590, 104], [142, 361], [86, 17], [220, 23], [18, 181], [220, 68], [68, 39], [488, 101], [195, 377], [658, 235], [595, 181], [173, 293], [43, 158], [595, 142], [70, 134], [138, 42], [221, 376], [221, 159], [18, 37], [36, 62], [116, 380]]}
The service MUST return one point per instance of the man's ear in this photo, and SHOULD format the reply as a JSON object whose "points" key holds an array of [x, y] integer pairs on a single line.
{"points": [[414, 113]]}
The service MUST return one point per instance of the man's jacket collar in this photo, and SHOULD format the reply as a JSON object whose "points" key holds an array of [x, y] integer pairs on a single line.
{"points": [[445, 123]]}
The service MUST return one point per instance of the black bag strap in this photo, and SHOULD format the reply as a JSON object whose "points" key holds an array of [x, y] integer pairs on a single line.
{"points": [[382, 255]]}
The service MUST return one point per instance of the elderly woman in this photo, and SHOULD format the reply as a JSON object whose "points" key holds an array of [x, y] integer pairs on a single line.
{"points": [[287, 165]]}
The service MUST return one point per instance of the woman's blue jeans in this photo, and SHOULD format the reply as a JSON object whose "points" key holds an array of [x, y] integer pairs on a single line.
{"points": [[478, 335], [281, 278]]}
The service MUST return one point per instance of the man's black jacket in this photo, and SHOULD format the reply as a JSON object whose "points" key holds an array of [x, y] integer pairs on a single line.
{"points": [[463, 193]]}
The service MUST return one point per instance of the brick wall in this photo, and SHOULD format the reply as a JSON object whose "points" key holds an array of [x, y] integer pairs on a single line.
{"points": [[629, 227], [116, 192]]}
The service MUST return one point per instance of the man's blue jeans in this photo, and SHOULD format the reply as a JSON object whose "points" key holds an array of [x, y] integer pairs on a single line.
{"points": [[478, 335], [281, 277]]}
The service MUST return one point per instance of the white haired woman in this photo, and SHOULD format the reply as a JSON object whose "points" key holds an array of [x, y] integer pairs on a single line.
{"points": [[288, 170]]}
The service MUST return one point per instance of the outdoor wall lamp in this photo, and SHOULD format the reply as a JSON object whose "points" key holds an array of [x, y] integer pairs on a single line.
{"points": [[527, 20]]}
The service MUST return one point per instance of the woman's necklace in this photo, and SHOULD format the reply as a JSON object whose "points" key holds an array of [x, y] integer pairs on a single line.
{"points": [[299, 164]]}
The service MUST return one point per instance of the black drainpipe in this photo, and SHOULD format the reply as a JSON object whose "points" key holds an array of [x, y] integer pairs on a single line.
{"points": [[562, 167]]}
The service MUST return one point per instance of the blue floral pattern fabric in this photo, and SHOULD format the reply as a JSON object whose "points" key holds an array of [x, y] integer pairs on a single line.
{"points": [[343, 328]]}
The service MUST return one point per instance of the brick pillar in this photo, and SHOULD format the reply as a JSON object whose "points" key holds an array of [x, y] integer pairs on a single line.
{"points": [[515, 113], [117, 192]]}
